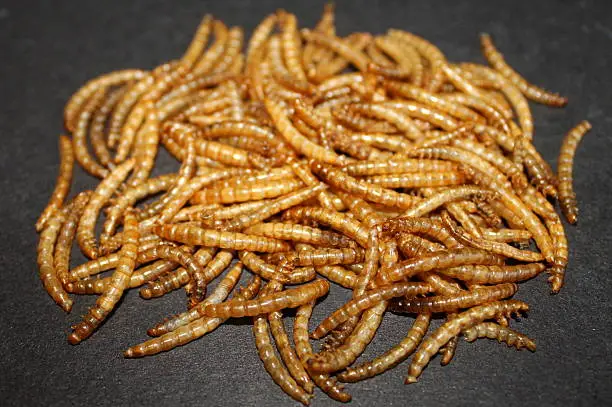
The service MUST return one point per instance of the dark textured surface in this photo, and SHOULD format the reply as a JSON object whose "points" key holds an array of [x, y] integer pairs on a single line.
{"points": [[48, 49]]}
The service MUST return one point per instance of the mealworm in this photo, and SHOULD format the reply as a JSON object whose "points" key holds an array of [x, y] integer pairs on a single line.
{"points": [[336, 220], [291, 45], [254, 192], [190, 332], [367, 300], [414, 246], [565, 166], [355, 57], [119, 282], [99, 124], [304, 351], [436, 260], [145, 149], [85, 230], [464, 299], [535, 93], [177, 278], [488, 245], [202, 277], [220, 293], [417, 180], [63, 246], [557, 272], [453, 327], [291, 298], [79, 98], [62, 184], [429, 227], [269, 272], [297, 140], [215, 51], [198, 42], [232, 50], [495, 274], [392, 357], [301, 233], [492, 330], [272, 364], [436, 200], [369, 168]]}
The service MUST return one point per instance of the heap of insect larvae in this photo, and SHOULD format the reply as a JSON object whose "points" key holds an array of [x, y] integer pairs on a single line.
{"points": [[366, 161]]}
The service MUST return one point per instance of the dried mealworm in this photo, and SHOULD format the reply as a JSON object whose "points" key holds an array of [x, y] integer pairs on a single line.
{"points": [[300, 233], [567, 197], [494, 274], [62, 184], [535, 93], [269, 272], [492, 330], [202, 277], [85, 230], [119, 282], [291, 298], [453, 327]]}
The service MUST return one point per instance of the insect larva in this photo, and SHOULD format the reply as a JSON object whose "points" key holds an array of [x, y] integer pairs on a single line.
{"points": [[338, 275], [355, 344], [372, 257], [198, 42], [428, 51], [291, 298], [336, 220], [394, 166], [254, 192], [439, 102], [427, 226], [565, 166], [464, 299], [215, 51], [257, 42], [190, 332], [354, 56], [414, 246], [460, 82], [273, 365], [177, 278], [392, 47], [46, 269], [189, 234], [288, 355], [220, 293], [488, 245], [232, 50], [492, 330], [79, 98], [63, 246], [119, 282], [436, 260], [392, 357], [436, 200], [448, 350], [347, 117], [303, 172], [269, 272], [297, 140], [129, 197], [99, 125], [317, 257], [425, 113], [300, 233], [367, 300], [145, 149], [557, 271], [304, 352], [389, 115], [493, 116], [356, 42], [486, 174], [417, 180], [506, 235], [218, 212], [85, 230], [291, 45], [62, 184], [535, 93], [379, 59], [204, 276], [430, 346], [339, 179]]}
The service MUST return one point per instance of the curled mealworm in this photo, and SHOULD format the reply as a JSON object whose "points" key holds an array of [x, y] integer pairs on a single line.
{"points": [[453, 327], [501, 333]]}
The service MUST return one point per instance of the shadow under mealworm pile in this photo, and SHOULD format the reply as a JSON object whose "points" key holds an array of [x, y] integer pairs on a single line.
{"points": [[368, 161]]}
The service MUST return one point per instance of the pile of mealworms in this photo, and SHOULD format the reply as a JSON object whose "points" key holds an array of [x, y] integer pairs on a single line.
{"points": [[366, 161]]}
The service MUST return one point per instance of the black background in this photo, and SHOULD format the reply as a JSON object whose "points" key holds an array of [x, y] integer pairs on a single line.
{"points": [[48, 49]]}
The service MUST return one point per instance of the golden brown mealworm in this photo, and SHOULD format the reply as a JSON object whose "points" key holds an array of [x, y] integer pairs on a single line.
{"points": [[85, 230], [300, 233], [62, 184], [203, 276], [565, 166], [492, 330], [291, 298], [119, 282], [453, 327], [269, 272]]}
